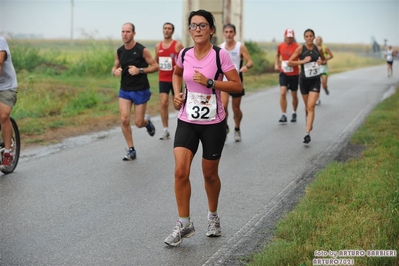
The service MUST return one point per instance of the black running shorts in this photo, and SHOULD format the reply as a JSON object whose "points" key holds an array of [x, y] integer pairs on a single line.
{"points": [[212, 138], [291, 82], [166, 87], [308, 85], [238, 95]]}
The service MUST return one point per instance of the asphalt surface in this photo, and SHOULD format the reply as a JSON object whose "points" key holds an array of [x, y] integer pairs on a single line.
{"points": [[78, 203]]}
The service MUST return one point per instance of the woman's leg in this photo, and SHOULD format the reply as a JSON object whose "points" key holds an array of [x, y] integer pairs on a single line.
{"points": [[310, 109], [183, 160], [210, 169], [305, 101]]}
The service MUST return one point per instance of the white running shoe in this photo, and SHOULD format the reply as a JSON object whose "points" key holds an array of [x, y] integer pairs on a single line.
{"points": [[165, 135], [237, 135], [176, 237], [213, 228]]}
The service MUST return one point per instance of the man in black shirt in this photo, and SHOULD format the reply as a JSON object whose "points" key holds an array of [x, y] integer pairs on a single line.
{"points": [[132, 63]]}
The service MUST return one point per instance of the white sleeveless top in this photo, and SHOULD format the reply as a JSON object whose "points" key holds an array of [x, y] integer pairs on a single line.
{"points": [[234, 54], [389, 56]]}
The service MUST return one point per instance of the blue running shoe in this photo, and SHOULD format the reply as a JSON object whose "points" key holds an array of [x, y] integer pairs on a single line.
{"points": [[131, 155], [150, 127]]}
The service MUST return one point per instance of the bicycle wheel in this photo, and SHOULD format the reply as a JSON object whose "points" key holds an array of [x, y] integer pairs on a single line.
{"points": [[15, 148]]}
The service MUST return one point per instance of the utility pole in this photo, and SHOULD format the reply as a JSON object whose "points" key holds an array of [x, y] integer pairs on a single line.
{"points": [[72, 22]]}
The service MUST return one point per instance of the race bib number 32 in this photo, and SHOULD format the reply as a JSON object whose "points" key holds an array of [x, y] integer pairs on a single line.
{"points": [[201, 107]]}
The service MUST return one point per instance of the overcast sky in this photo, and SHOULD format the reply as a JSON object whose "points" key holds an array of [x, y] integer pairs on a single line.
{"points": [[347, 21]]}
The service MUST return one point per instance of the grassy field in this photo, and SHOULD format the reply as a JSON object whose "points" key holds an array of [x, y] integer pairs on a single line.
{"points": [[66, 90], [351, 205]]}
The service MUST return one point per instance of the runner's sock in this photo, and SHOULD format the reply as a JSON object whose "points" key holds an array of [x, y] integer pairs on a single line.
{"points": [[212, 214], [185, 221]]}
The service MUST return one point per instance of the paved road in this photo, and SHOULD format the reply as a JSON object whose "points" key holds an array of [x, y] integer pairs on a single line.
{"points": [[78, 203]]}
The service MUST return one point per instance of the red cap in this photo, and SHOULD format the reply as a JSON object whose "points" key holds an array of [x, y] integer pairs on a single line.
{"points": [[289, 33]]}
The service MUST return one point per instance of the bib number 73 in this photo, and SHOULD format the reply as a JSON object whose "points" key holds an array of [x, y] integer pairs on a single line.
{"points": [[311, 69]]}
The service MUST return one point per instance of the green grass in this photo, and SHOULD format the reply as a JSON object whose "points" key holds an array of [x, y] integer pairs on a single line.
{"points": [[344, 61], [349, 206]]}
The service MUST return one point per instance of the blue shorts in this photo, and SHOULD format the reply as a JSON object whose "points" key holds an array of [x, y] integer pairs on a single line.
{"points": [[137, 97]]}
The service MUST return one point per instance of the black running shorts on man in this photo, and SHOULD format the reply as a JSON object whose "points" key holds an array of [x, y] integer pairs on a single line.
{"points": [[291, 82]]}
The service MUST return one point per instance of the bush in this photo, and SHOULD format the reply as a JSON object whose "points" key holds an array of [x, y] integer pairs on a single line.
{"points": [[261, 64], [26, 58], [96, 61], [33, 60]]}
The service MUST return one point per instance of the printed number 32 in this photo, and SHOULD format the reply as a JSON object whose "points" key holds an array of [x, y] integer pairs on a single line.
{"points": [[200, 112]]}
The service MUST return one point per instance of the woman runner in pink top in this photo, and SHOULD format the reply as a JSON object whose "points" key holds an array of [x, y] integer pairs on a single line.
{"points": [[201, 118]]}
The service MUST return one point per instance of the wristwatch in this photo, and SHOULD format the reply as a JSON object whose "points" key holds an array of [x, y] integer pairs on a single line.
{"points": [[210, 83], [141, 70]]}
